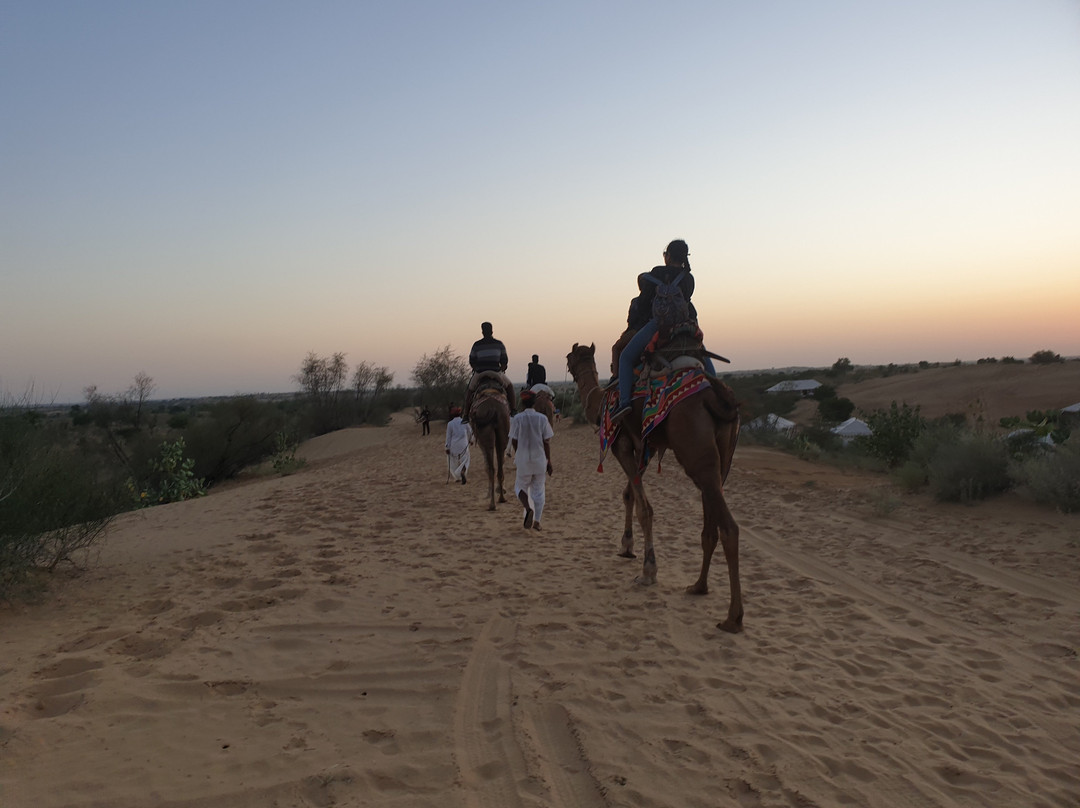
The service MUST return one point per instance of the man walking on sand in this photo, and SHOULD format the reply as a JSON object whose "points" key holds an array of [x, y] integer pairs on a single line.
{"points": [[530, 437], [458, 437]]}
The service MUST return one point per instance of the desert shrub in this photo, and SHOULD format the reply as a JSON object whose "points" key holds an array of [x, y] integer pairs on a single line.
{"points": [[442, 377], [765, 436], [836, 410], [952, 419], [54, 500], [285, 460], [805, 448], [179, 421], [171, 478], [1045, 357], [232, 435], [1051, 478], [969, 469], [895, 431], [910, 475]]}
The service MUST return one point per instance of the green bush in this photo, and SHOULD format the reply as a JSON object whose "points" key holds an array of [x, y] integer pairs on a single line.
{"points": [[233, 435], [969, 469], [171, 478], [836, 410], [911, 476], [285, 461], [895, 432], [1051, 478], [54, 499]]}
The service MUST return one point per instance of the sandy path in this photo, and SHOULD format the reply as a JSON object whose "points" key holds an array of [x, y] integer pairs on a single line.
{"points": [[362, 634]]}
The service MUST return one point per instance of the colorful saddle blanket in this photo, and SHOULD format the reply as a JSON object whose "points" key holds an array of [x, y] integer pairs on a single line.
{"points": [[660, 394]]}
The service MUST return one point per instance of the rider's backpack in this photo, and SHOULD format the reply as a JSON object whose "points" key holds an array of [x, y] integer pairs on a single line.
{"points": [[669, 306]]}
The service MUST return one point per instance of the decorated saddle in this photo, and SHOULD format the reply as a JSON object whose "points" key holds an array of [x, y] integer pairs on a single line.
{"points": [[660, 394]]}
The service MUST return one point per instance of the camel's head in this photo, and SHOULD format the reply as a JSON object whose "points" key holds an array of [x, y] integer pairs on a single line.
{"points": [[578, 357]]}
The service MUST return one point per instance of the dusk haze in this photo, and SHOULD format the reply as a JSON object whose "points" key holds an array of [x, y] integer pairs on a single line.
{"points": [[205, 192]]}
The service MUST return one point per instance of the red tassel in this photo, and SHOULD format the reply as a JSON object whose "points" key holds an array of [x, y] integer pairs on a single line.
{"points": [[600, 468]]}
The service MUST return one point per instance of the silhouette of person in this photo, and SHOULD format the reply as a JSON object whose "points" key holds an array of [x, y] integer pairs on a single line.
{"points": [[536, 374], [487, 355]]}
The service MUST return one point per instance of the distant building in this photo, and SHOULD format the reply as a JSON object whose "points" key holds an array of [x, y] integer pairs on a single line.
{"points": [[805, 387]]}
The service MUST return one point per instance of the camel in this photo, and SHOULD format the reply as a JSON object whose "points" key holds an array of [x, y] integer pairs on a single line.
{"points": [[545, 404], [701, 430], [490, 419]]}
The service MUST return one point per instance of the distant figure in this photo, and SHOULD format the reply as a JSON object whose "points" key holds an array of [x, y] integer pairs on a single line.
{"points": [[458, 437], [425, 421], [488, 355], [530, 437], [536, 374]]}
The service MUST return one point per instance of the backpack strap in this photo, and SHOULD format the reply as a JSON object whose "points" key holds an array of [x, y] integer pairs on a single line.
{"points": [[649, 277]]}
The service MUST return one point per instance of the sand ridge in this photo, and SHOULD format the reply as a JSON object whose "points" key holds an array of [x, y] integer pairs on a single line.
{"points": [[363, 634]]}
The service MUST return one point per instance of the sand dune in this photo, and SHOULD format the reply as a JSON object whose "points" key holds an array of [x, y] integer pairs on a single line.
{"points": [[989, 392], [362, 634]]}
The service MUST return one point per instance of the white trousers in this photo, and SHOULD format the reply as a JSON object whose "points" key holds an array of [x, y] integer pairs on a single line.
{"points": [[459, 463], [533, 485]]}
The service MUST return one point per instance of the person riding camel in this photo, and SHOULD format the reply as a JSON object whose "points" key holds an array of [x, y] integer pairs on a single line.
{"points": [[536, 375], [641, 323], [488, 355]]}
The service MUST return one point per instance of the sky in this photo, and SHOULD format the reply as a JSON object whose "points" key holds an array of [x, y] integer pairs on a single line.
{"points": [[207, 191]]}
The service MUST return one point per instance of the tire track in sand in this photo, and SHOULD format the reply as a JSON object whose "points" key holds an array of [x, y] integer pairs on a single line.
{"points": [[495, 761]]}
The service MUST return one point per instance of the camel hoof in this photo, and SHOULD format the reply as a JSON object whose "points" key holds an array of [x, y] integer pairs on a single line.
{"points": [[697, 589], [501, 499], [730, 626], [627, 554], [491, 507], [641, 580]]}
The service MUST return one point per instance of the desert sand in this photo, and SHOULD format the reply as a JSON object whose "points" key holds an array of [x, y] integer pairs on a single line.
{"points": [[361, 633]]}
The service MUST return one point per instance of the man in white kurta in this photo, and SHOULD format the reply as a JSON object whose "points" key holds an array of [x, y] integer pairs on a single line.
{"points": [[458, 437], [530, 436]]}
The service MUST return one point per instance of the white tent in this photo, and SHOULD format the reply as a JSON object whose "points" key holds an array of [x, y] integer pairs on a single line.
{"points": [[1072, 408], [772, 422], [852, 428]]}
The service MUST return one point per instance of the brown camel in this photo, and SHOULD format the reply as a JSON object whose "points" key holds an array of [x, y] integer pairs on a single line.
{"points": [[701, 431], [546, 405], [490, 419]]}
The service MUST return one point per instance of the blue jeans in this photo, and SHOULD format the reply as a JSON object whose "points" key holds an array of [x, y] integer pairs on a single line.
{"points": [[630, 356]]}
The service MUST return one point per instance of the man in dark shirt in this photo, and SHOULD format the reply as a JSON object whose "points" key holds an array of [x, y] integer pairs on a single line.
{"points": [[536, 374], [488, 355]]}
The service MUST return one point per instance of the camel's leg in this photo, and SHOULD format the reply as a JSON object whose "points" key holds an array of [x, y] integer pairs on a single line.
{"points": [[489, 463], [625, 453], [645, 517], [628, 523], [720, 525], [729, 537], [712, 500]]}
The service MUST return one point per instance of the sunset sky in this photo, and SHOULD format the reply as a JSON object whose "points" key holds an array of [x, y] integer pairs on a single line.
{"points": [[207, 191]]}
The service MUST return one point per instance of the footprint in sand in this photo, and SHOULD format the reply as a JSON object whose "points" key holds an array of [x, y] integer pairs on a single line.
{"points": [[63, 690]]}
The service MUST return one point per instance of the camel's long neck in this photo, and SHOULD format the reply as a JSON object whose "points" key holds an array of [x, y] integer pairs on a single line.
{"points": [[588, 384]]}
